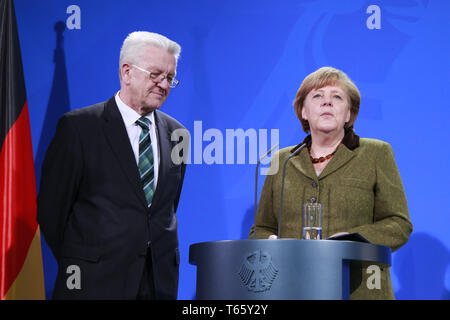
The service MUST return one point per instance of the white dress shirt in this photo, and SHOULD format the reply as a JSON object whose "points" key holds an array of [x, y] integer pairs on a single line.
{"points": [[130, 117]]}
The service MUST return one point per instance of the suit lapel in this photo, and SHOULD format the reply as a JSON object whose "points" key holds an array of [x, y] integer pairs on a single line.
{"points": [[119, 142], [342, 156], [302, 163], [164, 155]]}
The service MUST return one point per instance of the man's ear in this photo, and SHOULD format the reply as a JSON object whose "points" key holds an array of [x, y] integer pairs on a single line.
{"points": [[125, 70]]}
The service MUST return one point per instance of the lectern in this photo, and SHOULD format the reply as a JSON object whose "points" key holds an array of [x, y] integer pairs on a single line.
{"points": [[283, 269]]}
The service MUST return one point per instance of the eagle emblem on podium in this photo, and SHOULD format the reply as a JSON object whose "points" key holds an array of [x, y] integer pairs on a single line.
{"points": [[257, 272]]}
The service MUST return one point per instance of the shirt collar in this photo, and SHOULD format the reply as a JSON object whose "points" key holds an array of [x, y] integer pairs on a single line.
{"points": [[130, 116]]}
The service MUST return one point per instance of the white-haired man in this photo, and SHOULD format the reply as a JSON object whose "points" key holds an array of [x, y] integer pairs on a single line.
{"points": [[109, 188]]}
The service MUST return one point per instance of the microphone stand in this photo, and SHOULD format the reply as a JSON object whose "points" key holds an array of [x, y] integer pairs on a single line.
{"points": [[256, 184], [296, 152]]}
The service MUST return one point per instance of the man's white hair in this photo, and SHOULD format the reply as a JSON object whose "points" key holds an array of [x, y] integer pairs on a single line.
{"points": [[136, 41]]}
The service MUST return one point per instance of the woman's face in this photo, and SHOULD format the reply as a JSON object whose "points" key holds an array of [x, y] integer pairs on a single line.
{"points": [[327, 109]]}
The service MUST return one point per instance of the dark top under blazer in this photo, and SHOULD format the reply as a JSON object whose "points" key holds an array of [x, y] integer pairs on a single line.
{"points": [[92, 209]]}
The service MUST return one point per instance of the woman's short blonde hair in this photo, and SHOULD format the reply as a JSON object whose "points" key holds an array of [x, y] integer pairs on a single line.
{"points": [[320, 78]]}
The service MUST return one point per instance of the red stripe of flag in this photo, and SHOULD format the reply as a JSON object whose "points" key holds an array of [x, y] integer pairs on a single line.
{"points": [[18, 223], [18, 200]]}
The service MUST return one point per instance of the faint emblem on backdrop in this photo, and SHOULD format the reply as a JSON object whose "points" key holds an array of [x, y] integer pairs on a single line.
{"points": [[257, 272]]}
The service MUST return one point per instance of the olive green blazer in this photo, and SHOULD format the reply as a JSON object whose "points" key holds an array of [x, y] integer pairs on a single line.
{"points": [[360, 190]]}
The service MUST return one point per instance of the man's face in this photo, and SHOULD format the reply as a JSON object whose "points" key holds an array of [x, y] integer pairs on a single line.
{"points": [[145, 94]]}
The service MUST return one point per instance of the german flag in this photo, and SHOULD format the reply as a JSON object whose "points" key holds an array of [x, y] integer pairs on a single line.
{"points": [[21, 271]]}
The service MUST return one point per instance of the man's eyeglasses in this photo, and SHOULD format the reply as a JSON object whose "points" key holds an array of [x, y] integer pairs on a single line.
{"points": [[159, 77]]}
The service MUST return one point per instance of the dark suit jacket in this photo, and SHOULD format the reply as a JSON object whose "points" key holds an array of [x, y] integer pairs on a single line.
{"points": [[92, 209]]}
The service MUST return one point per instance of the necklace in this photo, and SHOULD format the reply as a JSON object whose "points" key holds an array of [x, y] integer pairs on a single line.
{"points": [[322, 159]]}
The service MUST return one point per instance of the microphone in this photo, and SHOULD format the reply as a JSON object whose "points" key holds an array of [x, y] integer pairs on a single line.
{"points": [[294, 153], [256, 184]]}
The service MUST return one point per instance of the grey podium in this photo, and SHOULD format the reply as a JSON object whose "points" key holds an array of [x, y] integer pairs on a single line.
{"points": [[283, 269]]}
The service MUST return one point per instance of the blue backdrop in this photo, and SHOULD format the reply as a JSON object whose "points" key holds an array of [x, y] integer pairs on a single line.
{"points": [[241, 65]]}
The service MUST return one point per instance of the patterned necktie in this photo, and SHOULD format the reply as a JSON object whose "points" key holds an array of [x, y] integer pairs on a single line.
{"points": [[146, 159]]}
